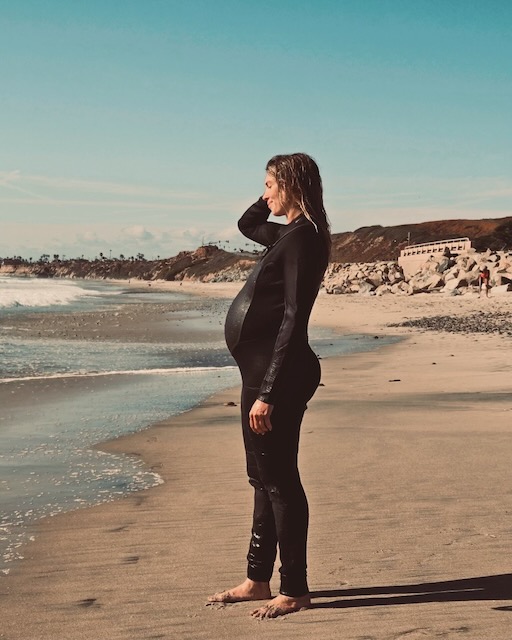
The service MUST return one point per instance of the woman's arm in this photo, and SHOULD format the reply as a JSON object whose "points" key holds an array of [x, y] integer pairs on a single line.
{"points": [[301, 279], [254, 225]]}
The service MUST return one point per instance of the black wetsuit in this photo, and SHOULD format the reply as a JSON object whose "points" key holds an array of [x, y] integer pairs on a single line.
{"points": [[266, 332]]}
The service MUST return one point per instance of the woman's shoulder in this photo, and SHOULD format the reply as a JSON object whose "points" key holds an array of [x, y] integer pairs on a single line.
{"points": [[300, 228], [301, 233], [303, 241]]}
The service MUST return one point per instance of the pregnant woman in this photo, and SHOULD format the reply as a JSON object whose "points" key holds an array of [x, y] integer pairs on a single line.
{"points": [[267, 334]]}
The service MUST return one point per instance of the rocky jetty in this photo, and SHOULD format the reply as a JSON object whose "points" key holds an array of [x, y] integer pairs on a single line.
{"points": [[371, 278], [450, 275]]}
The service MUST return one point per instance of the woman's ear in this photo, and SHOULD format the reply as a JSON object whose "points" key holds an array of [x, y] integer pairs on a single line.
{"points": [[283, 196]]}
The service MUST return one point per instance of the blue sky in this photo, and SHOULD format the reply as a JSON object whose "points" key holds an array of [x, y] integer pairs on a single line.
{"points": [[145, 126]]}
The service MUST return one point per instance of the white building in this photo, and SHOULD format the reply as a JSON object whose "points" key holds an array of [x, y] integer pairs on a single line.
{"points": [[415, 255]]}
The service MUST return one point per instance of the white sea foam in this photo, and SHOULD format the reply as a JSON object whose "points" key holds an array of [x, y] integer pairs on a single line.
{"points": [[131, 372], [32, 292]]}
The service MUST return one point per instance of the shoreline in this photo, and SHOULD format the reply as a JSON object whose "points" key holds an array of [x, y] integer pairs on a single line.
{"points": [[409, 499], [33, 403]]}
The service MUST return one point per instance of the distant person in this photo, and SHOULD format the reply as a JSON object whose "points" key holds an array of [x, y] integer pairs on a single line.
{"points": [[483, 281], [266, 332]]}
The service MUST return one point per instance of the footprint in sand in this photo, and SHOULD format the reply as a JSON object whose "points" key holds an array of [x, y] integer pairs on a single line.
{"points": [[427, 632], [88, 602], [414, 634], [123, 527]]}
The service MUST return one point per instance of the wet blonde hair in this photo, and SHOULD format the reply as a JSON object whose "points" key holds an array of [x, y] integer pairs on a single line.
{"points": [[298, 177]]}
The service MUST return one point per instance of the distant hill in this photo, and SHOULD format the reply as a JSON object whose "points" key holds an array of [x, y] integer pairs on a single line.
{"points": [[205, 263], [371, 244]]}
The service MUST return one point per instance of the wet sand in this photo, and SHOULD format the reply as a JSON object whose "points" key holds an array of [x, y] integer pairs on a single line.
{"points": [[405, 457], [142, 322], [132, 322]]}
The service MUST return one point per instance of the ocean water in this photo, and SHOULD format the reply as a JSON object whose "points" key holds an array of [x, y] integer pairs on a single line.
{"points": [[35, 293], [59, 398]]}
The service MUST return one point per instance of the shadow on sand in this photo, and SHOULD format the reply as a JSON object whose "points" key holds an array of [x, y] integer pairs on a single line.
{"points": [[483, 588]]}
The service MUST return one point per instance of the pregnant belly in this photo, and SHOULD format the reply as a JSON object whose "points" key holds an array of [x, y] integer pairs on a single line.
{"points": [[299, 374]]}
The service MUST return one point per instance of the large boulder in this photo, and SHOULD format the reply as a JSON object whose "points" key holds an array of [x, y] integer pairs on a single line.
{"points": [[454, 284], [426, 282], [501, 290], [383, 290], [443, 264], [394, 275], [402, 288], [366, 288], [375, 279]]}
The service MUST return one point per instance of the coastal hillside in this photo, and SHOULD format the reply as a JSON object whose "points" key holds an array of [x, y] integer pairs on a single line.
{"points": [[372, 244], [208, 263]]}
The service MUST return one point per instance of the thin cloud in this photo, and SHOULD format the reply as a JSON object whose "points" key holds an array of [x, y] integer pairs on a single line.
{"points": [[119, 204], [88, 238], [429, 193], [9, 176], [8, 180], [138, 232], [45, 191], [55, 191], [97, 186]]}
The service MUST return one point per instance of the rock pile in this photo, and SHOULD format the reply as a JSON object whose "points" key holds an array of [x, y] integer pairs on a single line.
{"points": [[236, 273], [481, 322], [372, 278], [451, 275]]}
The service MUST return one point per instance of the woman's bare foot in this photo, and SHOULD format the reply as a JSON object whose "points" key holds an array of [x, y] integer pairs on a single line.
{"points": [[282, 605], [248, 590]]}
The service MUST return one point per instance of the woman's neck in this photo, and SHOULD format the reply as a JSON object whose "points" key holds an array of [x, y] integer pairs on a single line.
{"points": [[292, 214]]}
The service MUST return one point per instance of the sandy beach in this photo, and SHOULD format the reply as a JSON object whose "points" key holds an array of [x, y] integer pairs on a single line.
{"points": [[405, 458]]}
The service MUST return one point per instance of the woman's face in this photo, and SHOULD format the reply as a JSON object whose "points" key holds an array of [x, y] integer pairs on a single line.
{"points": [[272, 196]]}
